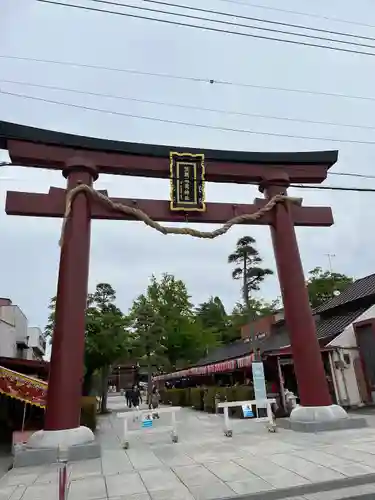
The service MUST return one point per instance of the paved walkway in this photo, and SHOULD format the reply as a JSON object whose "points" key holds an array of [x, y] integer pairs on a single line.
{"points": [[205, 465]]}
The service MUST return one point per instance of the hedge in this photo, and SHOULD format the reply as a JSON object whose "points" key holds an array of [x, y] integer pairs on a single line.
{"points": [[205, 399], [89, 412]]}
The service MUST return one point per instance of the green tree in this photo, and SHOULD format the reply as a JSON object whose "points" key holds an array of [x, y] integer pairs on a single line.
{"points": [[170, 299], [242, 315], [324, 285], [185, 339], [106, 336], [48, 329], [147, 336], [248, 267], [212, 317]]}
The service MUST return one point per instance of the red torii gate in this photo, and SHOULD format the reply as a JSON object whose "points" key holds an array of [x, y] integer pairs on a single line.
{"points": [[83, 159]]}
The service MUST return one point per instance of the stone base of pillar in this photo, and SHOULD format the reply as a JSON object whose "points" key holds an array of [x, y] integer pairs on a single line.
{"points": [[47, 447], [305, 414], [62, 440], [321, 418]]}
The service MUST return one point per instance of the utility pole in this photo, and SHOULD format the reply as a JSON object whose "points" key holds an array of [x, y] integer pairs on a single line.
{"points": [[330, 257]]}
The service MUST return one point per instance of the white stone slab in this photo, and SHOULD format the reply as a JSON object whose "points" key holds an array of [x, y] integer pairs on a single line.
{"points": [[195, 475], [229, 471], [14, 478], [178, 493], [6, 492], [80, 470], [306, 469], [277, 476], [42, 492], [255, 485], [137, 496], [143, 459], [214, 491], [159, 479], [341, 494], [344, 466], [124, 484], [90, 488]]}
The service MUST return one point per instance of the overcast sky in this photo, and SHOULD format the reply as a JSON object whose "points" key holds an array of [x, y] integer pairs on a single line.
{"points": [[125, 254]]}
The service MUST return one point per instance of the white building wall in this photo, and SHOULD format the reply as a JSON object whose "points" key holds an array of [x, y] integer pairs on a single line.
{"points": [[13, 330], [345, 377], [36, 342], [7, 340], [13, 315]]}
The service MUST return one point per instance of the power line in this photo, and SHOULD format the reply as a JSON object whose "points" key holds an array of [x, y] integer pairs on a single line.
{"points": [[350, 174], [334, 188], [188, 124], [297, 186], [107, 68], [209, 28], [250, 18], [236, 24], [188, 78], [299, 13], [186, 106]]}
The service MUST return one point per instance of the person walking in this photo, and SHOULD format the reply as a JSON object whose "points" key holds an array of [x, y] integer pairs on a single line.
{"points": [[128, 398], [136, 397], [155, 399]]}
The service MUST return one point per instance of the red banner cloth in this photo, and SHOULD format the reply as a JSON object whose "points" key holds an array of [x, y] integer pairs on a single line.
{"points": [[27, 389]]}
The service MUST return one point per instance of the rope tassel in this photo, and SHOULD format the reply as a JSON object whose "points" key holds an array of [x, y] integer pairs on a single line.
{"points": [[142, 216]]}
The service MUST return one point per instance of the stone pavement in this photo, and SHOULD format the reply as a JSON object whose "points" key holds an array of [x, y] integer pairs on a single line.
{"points": [[205, 465], [5, 462]]}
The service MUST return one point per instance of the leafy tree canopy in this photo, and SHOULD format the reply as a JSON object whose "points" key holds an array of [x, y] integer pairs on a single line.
{"points": [[107, 338], [248, 268], [184, 338], [106, 334], [241, 315], [212, 314], [324, 285]]}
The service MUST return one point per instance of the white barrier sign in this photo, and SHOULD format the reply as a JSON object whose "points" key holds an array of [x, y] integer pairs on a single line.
{"points": [[247, 411], [260, 391]]}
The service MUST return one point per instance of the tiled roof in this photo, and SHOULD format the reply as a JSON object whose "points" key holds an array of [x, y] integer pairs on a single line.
{"points": [[277, 340], [227, 351], [326, 327], [360, 289], [331, 319], [331, 326]]}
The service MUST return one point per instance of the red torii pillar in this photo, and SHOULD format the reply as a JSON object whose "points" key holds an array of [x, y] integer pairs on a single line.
{"points": [[316, 402], [66, 366], [84, 164]]}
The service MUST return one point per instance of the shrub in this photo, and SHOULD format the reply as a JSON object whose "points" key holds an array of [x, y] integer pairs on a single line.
{"points": [[185, 397], [89, 412], [196, 398], [178, 397], [205, 399], [209, 399], [240, 393], [164, 397]]}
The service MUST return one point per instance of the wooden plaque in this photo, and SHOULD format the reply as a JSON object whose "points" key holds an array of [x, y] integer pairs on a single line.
{"points": [[187, 182]]}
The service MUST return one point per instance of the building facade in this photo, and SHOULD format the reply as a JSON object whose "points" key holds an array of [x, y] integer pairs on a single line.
{"points": [[36, 342], [17, 339], [345, 328]]}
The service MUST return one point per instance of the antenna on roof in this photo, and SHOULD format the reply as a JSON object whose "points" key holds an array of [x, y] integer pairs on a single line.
{"points": [[330, 257]]}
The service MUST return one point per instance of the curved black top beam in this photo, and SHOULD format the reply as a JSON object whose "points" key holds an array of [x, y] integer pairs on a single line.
{"points": [[13, 131]]}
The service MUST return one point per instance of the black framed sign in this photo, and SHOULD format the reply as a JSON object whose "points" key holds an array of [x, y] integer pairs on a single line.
{"points": [[187, 182]]}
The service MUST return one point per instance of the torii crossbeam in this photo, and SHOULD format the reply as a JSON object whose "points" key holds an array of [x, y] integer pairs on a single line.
{"points": [[83, 159]]}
